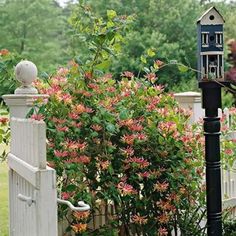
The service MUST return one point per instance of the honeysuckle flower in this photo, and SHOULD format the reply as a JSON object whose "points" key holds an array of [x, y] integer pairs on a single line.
{"points": [[4, 120], [62, 128], [96, 127], [128, 151], [81, 215], [162, 231], [104, 164], [151, 77], [141, 220], [165, 205], [37, 117], [140, 162], [159, 63], [60, 154], [163, 218], [4, 52], [141, 136], [79, 228], [126, 189], [81, 159], [161, 187], [127, 74], [129, 139], [144, 174], [62, 71], [58, 121], [73, 116], [77, 125], [136, 127], [65, 195], [229, 152]]}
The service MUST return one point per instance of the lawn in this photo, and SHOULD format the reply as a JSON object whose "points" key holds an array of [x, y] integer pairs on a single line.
{"points": [[3, 200]]}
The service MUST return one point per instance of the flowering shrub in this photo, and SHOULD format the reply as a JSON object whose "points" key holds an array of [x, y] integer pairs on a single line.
{"points": [[124, 143]]}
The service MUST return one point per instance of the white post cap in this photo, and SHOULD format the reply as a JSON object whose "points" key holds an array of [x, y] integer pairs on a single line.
{"points": [[26, 72]]}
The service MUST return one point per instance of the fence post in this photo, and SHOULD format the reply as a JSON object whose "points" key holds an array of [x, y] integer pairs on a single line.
{"points": [[29, 177], [22, 101], [191, 100]]}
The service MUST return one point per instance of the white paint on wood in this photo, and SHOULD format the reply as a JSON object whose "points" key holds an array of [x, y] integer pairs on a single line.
{"points": [[30, 178]]}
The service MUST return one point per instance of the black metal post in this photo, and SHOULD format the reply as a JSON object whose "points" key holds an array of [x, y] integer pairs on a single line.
{"points": [[211, 101]]}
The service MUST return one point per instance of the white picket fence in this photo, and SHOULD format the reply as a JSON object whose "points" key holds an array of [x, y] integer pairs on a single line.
{"points": [[192, 100], [32, 184], [229, 174]]}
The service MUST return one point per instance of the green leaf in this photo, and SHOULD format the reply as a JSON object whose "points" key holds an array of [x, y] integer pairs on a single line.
{"points": [[111, 128], [182, 68], [71, 188], [124, 115], [104, 65], [111, 14], [143, 59], [146, 70], [96, 119], [150, 52]]}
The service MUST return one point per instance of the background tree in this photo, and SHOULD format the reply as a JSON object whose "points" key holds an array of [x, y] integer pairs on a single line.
{"points": [[35, 30]]}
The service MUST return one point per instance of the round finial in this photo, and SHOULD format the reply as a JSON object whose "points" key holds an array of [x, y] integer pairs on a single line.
{"points": [[26, 72]]}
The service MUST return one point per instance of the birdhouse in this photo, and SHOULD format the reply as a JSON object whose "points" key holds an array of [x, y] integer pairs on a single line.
{"points": [[210, 46]]}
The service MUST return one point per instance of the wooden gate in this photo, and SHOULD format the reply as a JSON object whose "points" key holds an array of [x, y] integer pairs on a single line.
{"points": [[32, 184]]}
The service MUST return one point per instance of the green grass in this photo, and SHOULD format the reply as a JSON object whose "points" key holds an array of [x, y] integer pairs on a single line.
{"points": [[3, 195], [3, 200]]}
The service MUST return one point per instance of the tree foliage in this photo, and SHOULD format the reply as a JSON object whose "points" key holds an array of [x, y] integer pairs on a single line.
{"points": [[34, 29]]}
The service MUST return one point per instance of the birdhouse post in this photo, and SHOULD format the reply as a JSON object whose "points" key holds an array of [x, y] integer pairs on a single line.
{"points": [[211, 79]]}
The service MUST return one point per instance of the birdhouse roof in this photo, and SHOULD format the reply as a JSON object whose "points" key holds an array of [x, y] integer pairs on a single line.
{"points": [[211, 17]]}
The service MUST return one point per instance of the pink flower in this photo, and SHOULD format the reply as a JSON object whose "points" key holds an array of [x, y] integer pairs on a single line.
{"points": [[96, 127], [88, 75], [151, 77], [127, 74], [60, 154], [144, 174], [81, 109], [62, 128], [4, 120], [136, 127], [65, 195], [129, 139], [77, 125], [129, 151], [141, 136], [37, 117], [162, 232], [4, 52], [59, 121], [140, 162], [62, 71], [159, 63], [81, 159], [126, 189], [141, 220], [161, 187], [73, 116], [229, 152], [104, 164]]}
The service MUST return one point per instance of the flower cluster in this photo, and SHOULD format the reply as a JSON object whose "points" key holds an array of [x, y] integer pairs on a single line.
{"points": [[125, 142]]}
